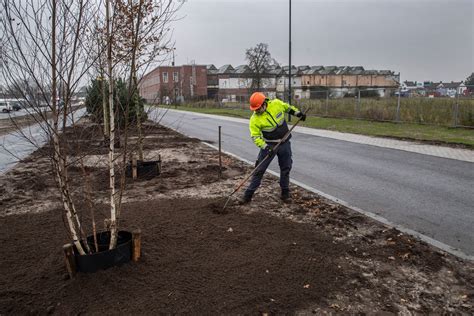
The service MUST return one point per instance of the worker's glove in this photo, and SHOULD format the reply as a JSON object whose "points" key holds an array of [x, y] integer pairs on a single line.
{"points": [[269, 151], [301, 115]]}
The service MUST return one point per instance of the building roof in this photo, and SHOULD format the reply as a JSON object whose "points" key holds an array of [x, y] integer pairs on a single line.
{"points": [[449, 85], [211, 69], [226, 69], [277, 70], [242, 69], [313, 70]]}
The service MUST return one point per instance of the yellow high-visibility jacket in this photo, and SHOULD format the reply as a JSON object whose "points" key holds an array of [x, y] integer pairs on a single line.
{"points": [[270, 126]]}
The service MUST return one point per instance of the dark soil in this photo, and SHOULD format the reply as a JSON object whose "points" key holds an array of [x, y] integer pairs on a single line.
{"points": [[310, 256], [193, 262]]}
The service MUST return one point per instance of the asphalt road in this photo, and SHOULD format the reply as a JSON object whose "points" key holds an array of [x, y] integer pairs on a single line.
{"points": [[429, 195], [19, 144]]}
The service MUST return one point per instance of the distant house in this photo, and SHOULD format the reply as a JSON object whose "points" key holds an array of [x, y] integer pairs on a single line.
{"points": [[234, 84], [462, 89], [181, 83], [347, 77], [448, 89], [212, 81], [412, 88]]}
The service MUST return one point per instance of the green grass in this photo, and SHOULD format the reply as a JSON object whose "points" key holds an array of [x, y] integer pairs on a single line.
{"points": [[438, 111], [419, 132]]}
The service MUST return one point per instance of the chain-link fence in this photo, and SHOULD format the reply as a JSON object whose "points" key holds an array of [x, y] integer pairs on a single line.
{"points": [[454, 109]]}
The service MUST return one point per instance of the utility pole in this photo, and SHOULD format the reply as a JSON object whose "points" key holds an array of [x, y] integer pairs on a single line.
{"points": [[289, 63]]}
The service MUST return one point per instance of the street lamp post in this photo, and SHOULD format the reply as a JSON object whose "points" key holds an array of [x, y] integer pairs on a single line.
{"points": [[174, 48], [289, 63]]}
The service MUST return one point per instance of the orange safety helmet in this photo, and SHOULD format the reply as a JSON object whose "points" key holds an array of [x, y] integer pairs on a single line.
{"points": [[256, 100]]}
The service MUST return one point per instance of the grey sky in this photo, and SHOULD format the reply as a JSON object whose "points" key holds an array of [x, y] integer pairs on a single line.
{"points": [[421, 39]]}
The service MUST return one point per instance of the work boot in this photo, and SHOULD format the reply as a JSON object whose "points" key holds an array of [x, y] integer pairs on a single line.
{"points": [[246, 199], [285, 195]]}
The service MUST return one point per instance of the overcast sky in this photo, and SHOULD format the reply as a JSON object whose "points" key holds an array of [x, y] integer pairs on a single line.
{"points": [[421, 39]]}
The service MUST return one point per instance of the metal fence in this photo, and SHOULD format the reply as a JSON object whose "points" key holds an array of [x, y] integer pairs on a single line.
{"points": [[456, 110]]}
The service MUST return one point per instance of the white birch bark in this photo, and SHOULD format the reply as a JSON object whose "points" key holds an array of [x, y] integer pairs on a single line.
{"points": [[66, 198], [113, 217], [104, 102], [58, 160]]}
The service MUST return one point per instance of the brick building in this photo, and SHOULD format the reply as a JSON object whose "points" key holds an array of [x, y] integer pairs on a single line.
{"points": [[169, 84], [233, 84], [174, 84]]}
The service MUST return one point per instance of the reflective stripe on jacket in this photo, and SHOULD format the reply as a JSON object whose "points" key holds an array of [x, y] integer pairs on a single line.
{"points": [[270, 126]]}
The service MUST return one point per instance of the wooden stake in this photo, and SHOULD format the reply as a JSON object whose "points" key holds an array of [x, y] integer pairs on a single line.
{"points": [[69, 260], [220, 154], [159, 164], [136, 244], [134, 167]]}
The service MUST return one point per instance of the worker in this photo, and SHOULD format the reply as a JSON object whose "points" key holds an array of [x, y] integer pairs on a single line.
{"points": [[267, 127]]}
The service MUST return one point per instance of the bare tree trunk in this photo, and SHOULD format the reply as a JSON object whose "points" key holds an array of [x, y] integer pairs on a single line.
{"points": [[139, 122], [59, 161], [88, 194], [104, 104], [133, 79], [113, 218]]}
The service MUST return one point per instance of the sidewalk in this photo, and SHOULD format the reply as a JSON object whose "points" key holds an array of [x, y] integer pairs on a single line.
{"points": [[416, 147]]}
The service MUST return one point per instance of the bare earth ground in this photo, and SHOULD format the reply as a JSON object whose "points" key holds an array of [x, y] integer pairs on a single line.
{"points": [[311, 256]]}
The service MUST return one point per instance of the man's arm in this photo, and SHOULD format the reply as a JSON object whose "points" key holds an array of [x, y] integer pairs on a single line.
{"points": [[293, 110], [287, 108], [256, 134]]}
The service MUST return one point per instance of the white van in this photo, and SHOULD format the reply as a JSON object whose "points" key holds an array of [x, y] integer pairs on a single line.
{"points": [[5, 106]]}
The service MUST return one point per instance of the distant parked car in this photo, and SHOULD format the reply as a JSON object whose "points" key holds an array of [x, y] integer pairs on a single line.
{"points": [[5, 106], [16, 106]]}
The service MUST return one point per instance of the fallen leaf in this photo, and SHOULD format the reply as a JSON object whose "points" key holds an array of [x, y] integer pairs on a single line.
{"points": [[391, 258]]}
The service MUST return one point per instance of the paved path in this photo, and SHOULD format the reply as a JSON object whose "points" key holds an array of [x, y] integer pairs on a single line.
{"points": [[423, 189]]}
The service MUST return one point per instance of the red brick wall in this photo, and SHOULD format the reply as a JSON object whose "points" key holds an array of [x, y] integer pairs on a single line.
{"points": [[153, 90]]}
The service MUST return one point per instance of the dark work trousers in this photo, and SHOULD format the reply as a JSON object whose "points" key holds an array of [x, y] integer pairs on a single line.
{"points": [[285, 162]]}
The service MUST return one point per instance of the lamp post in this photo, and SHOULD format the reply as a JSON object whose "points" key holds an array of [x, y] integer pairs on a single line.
{"points": [[289, 63], [174, 48]]}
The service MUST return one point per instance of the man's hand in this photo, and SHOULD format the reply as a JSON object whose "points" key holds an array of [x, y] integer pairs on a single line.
{"points": [[301, 115], [268, 151]]}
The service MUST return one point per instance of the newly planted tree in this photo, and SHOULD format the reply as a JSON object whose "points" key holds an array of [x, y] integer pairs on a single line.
{"points": [[51, 47]]}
